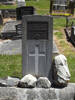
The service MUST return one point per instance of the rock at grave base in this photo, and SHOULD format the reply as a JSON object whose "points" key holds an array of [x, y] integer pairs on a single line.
{"points": [[43, 82], [61, 74], [11, 81], [28, 81], [3, 83]]}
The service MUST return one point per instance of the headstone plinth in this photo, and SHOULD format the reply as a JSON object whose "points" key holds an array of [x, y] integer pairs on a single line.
{"points": [[37, 45]]}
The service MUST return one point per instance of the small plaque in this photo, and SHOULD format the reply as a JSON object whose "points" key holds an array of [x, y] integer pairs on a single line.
{"points": [[37, 30]]}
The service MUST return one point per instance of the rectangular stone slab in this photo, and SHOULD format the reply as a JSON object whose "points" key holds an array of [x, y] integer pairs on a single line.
{"points": [[9, 30]]}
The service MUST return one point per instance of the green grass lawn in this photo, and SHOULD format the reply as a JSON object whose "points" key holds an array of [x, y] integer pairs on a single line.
{"points": [[12, 65], [7, 6]]}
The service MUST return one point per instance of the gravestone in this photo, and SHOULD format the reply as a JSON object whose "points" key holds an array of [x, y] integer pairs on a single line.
{"points": [[37, 45], [28, 10], [21, 3], [60, 4]]}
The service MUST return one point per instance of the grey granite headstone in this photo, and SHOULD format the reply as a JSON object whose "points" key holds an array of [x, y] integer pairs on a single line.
{"points": [[37, 45]]}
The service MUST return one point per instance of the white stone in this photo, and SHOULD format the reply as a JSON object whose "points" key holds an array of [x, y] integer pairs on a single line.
{"points": [[11, 81], [43, 82], [29, 80], [61, 66]]}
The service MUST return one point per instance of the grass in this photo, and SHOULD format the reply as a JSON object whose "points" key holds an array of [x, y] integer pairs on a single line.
{"points": [[42, 6], [12, 66], [59, 23], [59, 35], [7, 6]]}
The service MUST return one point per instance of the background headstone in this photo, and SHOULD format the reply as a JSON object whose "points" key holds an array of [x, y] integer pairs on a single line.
{"points": [[60, 4], [28, 10], [21, 3], [37, 45]]}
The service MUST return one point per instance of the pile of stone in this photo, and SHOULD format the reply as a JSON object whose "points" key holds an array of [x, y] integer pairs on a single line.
{"points": [[33, 88], [28, 81]]}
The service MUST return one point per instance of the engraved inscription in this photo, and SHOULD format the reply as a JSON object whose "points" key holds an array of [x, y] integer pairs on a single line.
{"points": [[37, 30]]}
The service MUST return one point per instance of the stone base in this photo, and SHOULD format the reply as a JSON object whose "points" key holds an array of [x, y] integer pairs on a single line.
{"points": [[13, 93]]}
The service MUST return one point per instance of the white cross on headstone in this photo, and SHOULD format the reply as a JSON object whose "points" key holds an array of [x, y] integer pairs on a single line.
{"points": [[36, 55]]}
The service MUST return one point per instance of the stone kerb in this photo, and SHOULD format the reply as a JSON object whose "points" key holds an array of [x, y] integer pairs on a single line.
{"points": [[13, 93]]}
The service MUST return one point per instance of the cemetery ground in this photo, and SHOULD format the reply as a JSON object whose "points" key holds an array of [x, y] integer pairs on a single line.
{"points": [[11, 65]]}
